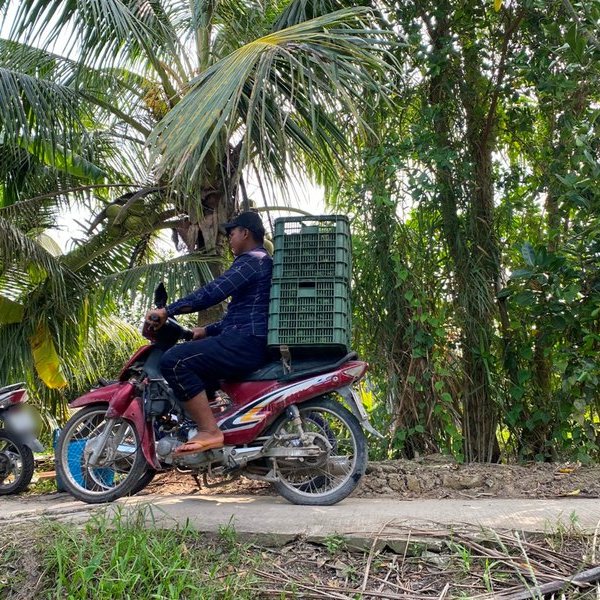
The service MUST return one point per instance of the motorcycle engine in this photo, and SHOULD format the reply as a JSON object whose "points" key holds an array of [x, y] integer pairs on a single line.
{"points": [[166, 445]]}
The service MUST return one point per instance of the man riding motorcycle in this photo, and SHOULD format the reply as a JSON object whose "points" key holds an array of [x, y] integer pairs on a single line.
{"points": [[232, 347]]}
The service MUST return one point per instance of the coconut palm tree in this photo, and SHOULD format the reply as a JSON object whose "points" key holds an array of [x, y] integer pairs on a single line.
{"points": [[180, 101]]}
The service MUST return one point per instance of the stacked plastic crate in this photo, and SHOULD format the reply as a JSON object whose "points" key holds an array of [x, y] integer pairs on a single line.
{"points": [[310, 309]]}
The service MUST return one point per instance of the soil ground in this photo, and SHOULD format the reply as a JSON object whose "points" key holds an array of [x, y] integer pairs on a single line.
{"points": [[433, 477]]}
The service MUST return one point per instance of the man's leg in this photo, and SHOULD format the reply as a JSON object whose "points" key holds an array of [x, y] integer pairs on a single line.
{"points": [[184, 367], [190, 367], [209, 433]]}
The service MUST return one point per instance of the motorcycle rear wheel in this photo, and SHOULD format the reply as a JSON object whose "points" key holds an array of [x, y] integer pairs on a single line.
{"points": [[328, 479], [121, 468], [16, 463]]}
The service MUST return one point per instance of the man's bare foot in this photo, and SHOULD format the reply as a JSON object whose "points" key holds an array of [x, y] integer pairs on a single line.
{"points": [[208, 437], [201, 442]]}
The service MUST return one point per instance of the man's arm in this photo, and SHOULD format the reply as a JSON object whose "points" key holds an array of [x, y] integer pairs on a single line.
{"points": [[236, 277]]}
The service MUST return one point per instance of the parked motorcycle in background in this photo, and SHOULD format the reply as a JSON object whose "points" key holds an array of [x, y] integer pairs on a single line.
{"points": [[17, 440]]}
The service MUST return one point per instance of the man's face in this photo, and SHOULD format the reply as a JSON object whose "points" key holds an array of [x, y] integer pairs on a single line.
{"points": [[237, 239]]}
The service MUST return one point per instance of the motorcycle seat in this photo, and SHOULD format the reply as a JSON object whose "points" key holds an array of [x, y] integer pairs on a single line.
{"points": [[303, 367]]}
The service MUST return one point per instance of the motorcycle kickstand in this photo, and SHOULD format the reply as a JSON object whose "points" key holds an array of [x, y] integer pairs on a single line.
{"points": [[197, 480]]}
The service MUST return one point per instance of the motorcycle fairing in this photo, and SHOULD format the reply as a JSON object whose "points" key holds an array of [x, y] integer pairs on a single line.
{"points": [[135, 413], [242, 424], [104, 394], [138, 355], [122, 402]]}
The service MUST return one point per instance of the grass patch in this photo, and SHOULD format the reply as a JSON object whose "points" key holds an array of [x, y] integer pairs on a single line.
{"points": [[42, 486], [129, 558], [125, 556]]}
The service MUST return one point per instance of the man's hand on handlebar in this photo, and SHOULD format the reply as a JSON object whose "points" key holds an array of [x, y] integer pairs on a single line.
{"points": [[156, 318], [199, 333]]}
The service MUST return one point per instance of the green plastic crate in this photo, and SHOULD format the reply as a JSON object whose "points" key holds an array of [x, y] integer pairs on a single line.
{"points": [[311, 247], [313, 314]]}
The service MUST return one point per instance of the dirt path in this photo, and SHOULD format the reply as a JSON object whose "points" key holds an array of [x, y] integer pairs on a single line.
{"points": [[433, 477]]}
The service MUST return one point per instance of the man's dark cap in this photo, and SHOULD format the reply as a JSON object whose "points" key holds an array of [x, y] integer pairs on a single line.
{"points": [[250, 220]]}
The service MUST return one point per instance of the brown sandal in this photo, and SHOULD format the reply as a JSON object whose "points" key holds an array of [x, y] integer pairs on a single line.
{"points": [[196, 447]]}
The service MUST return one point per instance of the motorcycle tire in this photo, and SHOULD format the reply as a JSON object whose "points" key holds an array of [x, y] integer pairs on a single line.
{"points": [[10, 442], [106, 482], [145, 479], [320, 488]]}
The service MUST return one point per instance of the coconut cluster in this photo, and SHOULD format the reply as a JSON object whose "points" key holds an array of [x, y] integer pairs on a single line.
{"points": [[137, 218]]}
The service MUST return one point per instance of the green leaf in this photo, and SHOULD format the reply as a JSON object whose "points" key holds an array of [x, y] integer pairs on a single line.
{"points": [[10, 311], [521, 274], [58, 157], [525, 298], [46, 360], [517, 392], [569, 180], [528, 253], [526, 352], [558, 322]]}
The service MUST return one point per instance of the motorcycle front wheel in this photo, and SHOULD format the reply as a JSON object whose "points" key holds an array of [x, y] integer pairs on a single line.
{"points": [[326, 479], [16, 463], [119, 466]]}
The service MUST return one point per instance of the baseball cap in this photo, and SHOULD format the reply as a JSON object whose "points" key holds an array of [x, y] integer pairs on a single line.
{"points": [[250, 220]]}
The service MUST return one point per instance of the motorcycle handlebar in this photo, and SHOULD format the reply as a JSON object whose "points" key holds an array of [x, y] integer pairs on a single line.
{"points": [[184, 333], [171, 330], [187, 334]]}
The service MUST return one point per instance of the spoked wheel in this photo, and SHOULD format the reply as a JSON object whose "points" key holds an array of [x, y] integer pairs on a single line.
{"points": [[145, 479], [100, 459], [16, 464], [333, 474]]}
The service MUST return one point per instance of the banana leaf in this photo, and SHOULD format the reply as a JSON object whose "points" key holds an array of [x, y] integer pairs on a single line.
{"points": [[46, 360]]}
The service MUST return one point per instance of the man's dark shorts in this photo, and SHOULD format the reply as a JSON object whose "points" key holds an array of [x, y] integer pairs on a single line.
{"points": [[196, 366]]}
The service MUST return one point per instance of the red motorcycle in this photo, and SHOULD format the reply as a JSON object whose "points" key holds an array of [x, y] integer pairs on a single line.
{"points": [[300, 429], [17, 440]]}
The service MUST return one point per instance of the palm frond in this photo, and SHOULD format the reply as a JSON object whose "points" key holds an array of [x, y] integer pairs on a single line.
{"points": [[107, 30], [48, 138], [298, 11], [25, 99], [297, 76], [181, 276], [18, 248]]}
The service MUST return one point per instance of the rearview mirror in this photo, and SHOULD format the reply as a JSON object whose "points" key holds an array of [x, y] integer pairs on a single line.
{"points": [[160, 296]]}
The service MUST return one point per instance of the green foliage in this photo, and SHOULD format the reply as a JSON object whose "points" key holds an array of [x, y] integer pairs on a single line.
{"points": [[126, 556], [191, 83], [335, 543], [476, 233], [554, 304], [466, 152]]}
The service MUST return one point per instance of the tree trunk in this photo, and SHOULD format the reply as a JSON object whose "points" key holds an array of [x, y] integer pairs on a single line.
{"points": [[472, 245]]}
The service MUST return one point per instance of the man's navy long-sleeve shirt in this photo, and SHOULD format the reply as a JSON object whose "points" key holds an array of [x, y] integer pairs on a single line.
{"points": [[248, 282]]}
